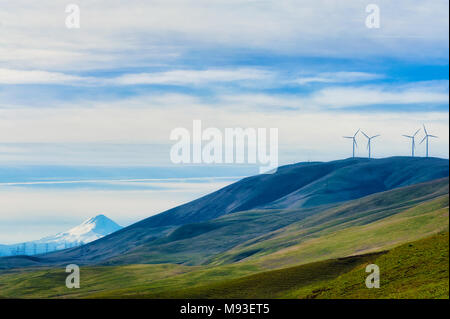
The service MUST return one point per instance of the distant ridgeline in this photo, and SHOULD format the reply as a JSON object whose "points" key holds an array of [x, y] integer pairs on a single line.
{"points": [[35, 247]]}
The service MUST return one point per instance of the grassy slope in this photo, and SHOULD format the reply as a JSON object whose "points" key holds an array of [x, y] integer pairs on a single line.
{"points": [[155, 280], [416, 270], [50, 283], [271, 284], [417, 222]]}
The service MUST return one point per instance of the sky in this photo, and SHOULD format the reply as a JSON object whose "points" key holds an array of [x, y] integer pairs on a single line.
{"points": [[110, 92]]}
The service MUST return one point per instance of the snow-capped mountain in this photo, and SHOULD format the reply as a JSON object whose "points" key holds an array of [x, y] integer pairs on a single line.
{"points": [[90, 230]]}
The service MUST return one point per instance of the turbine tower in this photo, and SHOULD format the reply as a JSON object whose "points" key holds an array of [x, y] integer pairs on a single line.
{"points": [[413, 141], [354, 141], [426, 137], [369, 140]]}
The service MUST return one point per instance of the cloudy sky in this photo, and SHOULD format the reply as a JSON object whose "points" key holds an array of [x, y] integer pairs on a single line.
{"points": [[110, 92], [135, 70]]}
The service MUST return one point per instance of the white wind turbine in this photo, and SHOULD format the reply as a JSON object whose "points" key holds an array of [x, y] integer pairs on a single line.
{"points": [[413, 141], [354, 141], [369, 140], [426, 137]]}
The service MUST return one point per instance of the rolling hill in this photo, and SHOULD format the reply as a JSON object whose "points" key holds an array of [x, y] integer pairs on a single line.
{"points": [[301, 201]]}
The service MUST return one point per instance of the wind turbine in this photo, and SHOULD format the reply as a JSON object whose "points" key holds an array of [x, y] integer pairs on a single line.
{"points": [[426, 137], [354, 141], [369, 140], [413, 142]]}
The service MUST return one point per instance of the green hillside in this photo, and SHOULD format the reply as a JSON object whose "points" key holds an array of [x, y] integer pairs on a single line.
{"points": [[415, 270], [315, 244]]}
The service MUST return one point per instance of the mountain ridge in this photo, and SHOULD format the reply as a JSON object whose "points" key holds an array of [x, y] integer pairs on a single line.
{"points": [[192, 212]]}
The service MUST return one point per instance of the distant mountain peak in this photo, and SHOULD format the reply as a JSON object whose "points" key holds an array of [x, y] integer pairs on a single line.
{"points": [[98, 225], [99, 219], [91, 229]]}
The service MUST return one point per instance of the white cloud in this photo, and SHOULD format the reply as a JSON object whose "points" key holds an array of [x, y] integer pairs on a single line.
{"points": [[433, 92], [261, 101], [149, 120], [338, 77], [9, 76], [340, 97], [172, 77], [194, 77]]}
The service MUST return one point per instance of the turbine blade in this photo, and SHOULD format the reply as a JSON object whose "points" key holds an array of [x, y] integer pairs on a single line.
{"points": [[426, 133], [407, 136], [433, 136], [423, 139], [356, 133], [348, 137], [416, 132], [375, 136], [365, 134]]}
